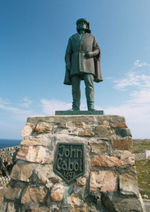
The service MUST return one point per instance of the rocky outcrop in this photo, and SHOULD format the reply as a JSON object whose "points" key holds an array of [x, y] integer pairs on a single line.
{"points": [[101, 177], [7, 161]]}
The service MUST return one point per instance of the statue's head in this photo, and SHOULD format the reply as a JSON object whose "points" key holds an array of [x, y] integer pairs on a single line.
{"points": [[83, 24]]}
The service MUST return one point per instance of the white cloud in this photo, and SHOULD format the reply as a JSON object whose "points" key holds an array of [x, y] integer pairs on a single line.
{"points": [[139, 64], [140, 97], [137, 108], [16, 117], [10, 130], [50, 106], [138, 76], [16, 112], [26, 102], [137, 113], [133, 79], [3, 101]]}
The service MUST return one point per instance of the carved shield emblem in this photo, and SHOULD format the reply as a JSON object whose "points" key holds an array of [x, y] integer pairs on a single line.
{"points": [[69, 161]]}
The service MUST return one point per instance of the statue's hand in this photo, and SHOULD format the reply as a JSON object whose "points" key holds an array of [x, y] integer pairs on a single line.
{"points": [[89, 54], [92, 54]]}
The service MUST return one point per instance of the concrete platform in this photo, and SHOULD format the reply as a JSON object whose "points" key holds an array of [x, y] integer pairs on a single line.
{"points": [[80, 112]]}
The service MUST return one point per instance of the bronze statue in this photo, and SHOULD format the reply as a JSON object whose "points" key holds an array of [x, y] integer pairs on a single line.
{"points": [[82, 63]]}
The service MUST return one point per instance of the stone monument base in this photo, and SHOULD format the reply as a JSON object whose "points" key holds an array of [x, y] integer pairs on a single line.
{"points": [[80, 163]]}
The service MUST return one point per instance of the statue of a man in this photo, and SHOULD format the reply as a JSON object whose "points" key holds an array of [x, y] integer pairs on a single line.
{"points": [[82, 63]]}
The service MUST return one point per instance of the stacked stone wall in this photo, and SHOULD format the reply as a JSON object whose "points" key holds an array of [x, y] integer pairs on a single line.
{"points": [[109, 182]]}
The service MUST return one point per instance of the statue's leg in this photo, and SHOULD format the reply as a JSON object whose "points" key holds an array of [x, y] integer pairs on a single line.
{"points": [[76, 92], [89, 90]]}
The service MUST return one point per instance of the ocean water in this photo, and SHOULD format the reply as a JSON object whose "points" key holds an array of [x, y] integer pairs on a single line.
{"points": [[8, 143]]}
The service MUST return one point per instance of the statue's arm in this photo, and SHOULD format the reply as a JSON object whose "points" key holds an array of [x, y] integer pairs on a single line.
{"points": [[96, 50], [68, 55]]}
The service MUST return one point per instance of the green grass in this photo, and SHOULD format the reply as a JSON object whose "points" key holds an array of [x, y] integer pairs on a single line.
{"points": [[140, 148], [143, 174]]}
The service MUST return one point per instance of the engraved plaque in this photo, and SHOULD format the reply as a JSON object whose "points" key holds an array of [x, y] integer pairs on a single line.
{"points": [[69, 161]]}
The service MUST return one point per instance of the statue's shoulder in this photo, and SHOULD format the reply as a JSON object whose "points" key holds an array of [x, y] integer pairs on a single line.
{"points": [[90, 35], [74, 36]]}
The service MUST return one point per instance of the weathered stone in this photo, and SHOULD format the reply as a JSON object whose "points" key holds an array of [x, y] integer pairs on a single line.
{"points": [[70, 124], [106, 123], [80, 209], [99, 148], [106, 161], [39, 140], [45, 175], [102, 131], [84, 208], [81, 181], [43, 127], [121, 159], [74, 201], [3, 207], [41, 190], [78, 124], [27, 130], [62, 125], [73, 131], [123, 144], [128, 184], [39, 209], [123, 132], [1, 195], [12, 193], [22, 172], [29, 143], [92, 119], [86, 132], [49, 185], [37, 154], [103, 181], [34, 195], [127, 157], [57, 193], [115, 203], [120, 125], [11, 207], [42, 178], [75, 208]]}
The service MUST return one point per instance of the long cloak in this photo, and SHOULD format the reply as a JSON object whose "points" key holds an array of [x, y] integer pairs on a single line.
{"points": [[77, 63]]}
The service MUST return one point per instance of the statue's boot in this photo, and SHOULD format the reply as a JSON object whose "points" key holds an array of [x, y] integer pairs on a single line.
{"points": [[90, 106], [75, 106]]}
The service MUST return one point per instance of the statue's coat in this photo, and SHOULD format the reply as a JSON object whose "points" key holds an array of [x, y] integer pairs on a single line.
{"points": [[77, 63]]}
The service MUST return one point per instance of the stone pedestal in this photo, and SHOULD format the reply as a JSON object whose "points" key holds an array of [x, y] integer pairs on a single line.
{"points": [[80, 163]]}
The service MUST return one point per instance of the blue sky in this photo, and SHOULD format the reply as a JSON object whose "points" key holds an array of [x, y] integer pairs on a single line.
{"points": [[33, 39]]}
